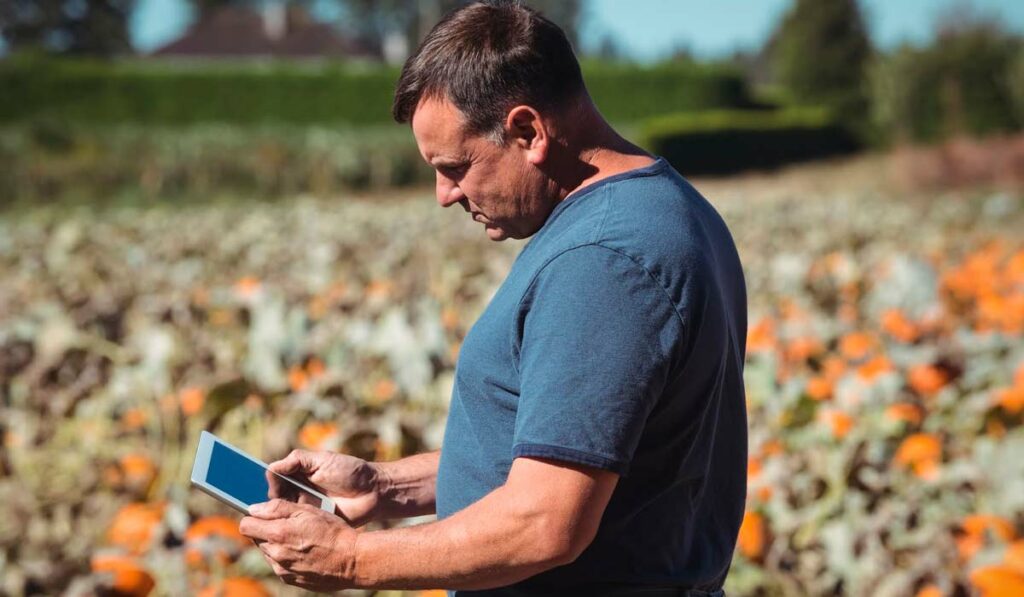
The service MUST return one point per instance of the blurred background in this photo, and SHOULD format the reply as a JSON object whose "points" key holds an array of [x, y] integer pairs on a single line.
{"points": [[208, 221]]}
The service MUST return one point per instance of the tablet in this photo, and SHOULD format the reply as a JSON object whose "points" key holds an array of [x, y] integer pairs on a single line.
{"points": [[239, 480]]}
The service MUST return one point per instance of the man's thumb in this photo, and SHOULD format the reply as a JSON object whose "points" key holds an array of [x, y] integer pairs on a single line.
{"points": [[298, 461]]}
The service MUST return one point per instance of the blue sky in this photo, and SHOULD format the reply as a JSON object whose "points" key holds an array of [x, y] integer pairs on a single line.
{"points": [[648, 29]]}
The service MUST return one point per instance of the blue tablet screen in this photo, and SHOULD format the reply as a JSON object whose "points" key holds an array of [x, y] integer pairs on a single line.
{"points": [[246, 480]]}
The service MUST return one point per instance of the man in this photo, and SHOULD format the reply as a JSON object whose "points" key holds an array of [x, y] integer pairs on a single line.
{"points": [[596, 439]]}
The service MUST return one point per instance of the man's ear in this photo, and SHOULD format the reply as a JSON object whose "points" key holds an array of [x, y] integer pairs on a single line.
{"points": [[527, 131]]}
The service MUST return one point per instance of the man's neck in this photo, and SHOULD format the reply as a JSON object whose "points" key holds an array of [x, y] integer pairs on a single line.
{"points": [[609, 162], [598, 152]]}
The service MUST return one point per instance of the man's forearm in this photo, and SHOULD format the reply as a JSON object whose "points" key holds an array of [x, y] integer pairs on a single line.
{"points": [[407, 486], [497, 541]]}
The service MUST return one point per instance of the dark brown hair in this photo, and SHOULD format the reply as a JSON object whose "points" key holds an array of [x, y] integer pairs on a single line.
{"points": [[485, 59]]}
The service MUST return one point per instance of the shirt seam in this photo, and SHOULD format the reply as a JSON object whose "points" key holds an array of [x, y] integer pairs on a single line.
{"points": [[654, 169], [653, 278], [564, 452]]}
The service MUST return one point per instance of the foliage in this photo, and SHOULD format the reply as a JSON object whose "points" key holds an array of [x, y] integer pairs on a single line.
{"points": [[719, 142], [331, 93], [96, 27], [884, 376], [1016, 80], [50, 160], [963, 84], [820, 52], [628, 93]]}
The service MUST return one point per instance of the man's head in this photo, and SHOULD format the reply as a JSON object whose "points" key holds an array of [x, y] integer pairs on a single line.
{"points": [[484, 94]]}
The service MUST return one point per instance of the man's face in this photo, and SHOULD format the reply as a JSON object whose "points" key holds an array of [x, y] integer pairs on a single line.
{"points": [[499, 186]]}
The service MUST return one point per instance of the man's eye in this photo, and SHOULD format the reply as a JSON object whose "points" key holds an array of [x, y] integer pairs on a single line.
{"points": [[452, 171]]}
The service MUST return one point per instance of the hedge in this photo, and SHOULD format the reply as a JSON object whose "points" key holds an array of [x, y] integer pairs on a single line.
{"points": [[729, 141], [163, 93], [46, 162]]}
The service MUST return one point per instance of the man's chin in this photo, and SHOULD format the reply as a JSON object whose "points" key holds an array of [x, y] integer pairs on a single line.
{"points": [[494, 233]]}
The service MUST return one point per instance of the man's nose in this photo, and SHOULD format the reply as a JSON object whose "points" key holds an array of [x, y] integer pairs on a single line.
{"points": [[448, 193]]}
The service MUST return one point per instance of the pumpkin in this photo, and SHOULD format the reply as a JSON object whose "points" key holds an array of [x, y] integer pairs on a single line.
{"points": [[128, 577], [135, 526], [236, 586]]}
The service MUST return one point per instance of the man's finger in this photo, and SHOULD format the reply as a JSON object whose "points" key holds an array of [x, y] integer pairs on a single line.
{"points": [[279, 553], [275, 508], [296, 462], [259, 530], [278, 569]]}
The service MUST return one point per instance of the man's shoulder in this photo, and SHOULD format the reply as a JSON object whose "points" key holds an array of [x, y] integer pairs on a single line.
{"points": [[658, 222], [657, 208], [663, 223]]}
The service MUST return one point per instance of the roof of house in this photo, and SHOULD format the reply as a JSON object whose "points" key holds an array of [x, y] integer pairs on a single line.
{"points": [[239, 32]]}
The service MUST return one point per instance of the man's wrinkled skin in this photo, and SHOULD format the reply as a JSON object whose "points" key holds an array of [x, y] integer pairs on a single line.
{"points": [[306, 547]]}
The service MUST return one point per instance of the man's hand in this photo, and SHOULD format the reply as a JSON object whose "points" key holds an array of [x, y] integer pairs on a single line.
{"points": [[352, 483], [306, 546]]}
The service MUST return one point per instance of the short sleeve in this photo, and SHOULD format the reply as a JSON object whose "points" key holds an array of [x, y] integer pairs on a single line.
{"points": [[598, 335]]}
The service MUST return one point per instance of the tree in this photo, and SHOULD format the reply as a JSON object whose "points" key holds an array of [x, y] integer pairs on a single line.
{"points": [[961, 84], [96, 27], [820, 53]]}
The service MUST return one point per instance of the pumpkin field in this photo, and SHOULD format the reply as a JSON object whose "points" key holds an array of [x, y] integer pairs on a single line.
{"points": [[885, 375]]}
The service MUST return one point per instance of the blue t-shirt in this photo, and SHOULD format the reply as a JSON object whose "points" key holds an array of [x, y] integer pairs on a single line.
{"points": [[616, 341]]}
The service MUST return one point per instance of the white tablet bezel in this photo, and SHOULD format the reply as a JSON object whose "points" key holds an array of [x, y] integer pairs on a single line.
{"points": [[202, 466]]}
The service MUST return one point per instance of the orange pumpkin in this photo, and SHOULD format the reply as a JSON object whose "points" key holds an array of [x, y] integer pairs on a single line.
{"points": [[874, 367], [318, 435], [139, 471], [819, 388], [927, 380], [921, 452], [998, 581], [973, 529], [896, 324], [977, 524], [803, 348], [761, 336], [135, 526], [833, 368], [192, 400], [753, 467], [857, 345], [128, 577], [236, 586], [298, 379], [134, 419], [752, 538], [1011, 399], [838, 422]]}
